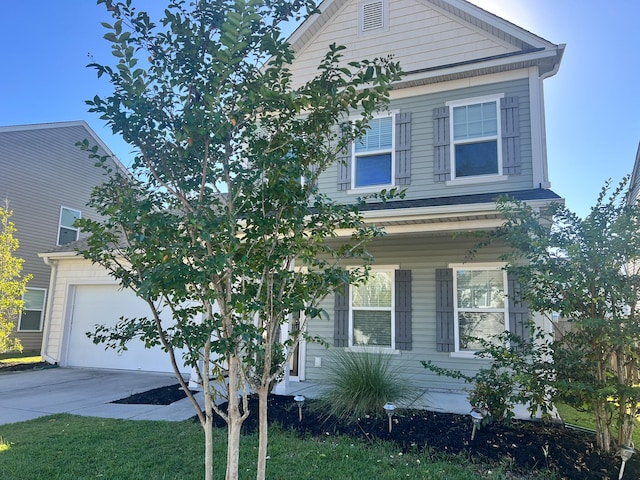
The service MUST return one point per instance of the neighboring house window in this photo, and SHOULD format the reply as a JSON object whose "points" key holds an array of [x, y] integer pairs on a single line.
{"points": [[376, 314], [67, 233], [477, 300], [31, 317], [480, 305], [373, 155], [381, 158], [477, 140]]}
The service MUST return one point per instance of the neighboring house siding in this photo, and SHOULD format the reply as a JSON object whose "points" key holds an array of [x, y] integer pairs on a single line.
{"points": [[423, 256], [419, 35], [42, 171], [422, 184]]}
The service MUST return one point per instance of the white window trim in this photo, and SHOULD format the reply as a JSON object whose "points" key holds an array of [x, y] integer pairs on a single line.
{"points": [[376, 188], [467, 180], [77, 230], [376, 348], [456, 329], [44, 304]]}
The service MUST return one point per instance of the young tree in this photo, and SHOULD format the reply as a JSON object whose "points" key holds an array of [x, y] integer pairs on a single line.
{"points": [[221, 221], [12, 287], [587, 270]]}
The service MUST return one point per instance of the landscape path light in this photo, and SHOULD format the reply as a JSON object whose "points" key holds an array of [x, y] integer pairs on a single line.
{"points": [[476, 417], [389, 408], [626, 452], [299, 399]]}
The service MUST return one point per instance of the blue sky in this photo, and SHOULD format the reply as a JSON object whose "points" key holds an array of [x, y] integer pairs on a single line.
{"points": [[592, 104]]}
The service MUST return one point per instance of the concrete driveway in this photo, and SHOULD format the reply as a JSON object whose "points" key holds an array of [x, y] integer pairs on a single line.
{"points": [[30, 394]]}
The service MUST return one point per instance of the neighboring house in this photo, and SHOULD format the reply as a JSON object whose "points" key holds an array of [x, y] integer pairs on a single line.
{"points": [[47, 180], [465, 124]]}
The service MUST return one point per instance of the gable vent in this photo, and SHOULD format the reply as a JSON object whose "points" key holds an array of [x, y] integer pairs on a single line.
{"points": [[372, 15]]}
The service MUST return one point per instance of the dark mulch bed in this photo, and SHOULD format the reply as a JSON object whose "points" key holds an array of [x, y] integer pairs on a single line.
{"points": [[158, 396], [528, 445]]}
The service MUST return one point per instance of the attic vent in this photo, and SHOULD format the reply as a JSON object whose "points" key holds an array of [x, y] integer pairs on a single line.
{"points": [[372, 15]]}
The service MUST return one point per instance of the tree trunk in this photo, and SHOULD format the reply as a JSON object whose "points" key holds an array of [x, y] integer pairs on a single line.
{"points": [[208, 448], [603, 430], [234, 421], [263, 395]]}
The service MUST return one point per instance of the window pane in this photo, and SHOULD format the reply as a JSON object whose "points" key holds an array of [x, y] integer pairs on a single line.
{"points": [[30, 320], [475, 121], [476, 159], [376, 292], [479, 325], [480, 288], [68, 217], [378, 136], [373, 170], [67, 235], [371, 328], [33, 299]]}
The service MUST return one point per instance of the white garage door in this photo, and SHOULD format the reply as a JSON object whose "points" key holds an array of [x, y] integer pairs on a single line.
{"points": [[104, 305]]}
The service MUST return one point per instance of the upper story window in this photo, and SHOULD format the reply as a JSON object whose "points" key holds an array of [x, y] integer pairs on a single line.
{"points": [[480, 305], [31, 317], [373, 162], [382, 158], [477, 140], [67, 233]]}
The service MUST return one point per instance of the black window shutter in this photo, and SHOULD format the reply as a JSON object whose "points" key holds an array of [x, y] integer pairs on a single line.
{"points": [[403, 148], [403, 309], [341, 317], [518, 310], [444, 310], [510, 123], [441, 141]]}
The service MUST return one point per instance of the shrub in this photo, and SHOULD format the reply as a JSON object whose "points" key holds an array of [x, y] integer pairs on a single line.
{"points": [[360, 383]]}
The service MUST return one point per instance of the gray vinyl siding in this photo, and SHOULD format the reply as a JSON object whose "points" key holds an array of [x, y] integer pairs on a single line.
{"points": [[421, 255], [43, 170], [422, 183]]}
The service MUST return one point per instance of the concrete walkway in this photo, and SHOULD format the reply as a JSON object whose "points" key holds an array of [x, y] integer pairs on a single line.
{"points": [[35, 393]]}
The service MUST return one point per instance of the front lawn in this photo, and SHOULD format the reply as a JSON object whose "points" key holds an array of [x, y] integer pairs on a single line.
{"points": [[71, 447]]}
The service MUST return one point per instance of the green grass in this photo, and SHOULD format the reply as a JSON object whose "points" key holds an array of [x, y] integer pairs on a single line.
{"points": [[587, 420], [20, 357], [71, 447]]}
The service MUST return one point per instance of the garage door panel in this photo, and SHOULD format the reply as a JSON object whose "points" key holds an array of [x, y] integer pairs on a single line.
{"points": [[105, 305]]}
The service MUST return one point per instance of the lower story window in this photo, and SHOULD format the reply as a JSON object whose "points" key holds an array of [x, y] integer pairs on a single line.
{"points": [[31, 317], [480, 305], [372, 311]]}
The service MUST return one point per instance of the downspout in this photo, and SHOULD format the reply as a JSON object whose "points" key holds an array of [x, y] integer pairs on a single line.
{"points": [[544, 180], [44, 349]]}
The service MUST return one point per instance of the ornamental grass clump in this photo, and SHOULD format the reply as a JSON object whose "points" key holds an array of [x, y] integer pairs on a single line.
{"points": [[360, 383]]}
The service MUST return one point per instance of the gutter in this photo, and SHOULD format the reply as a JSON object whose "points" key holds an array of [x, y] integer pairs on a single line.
{"points": [[44, 348]]}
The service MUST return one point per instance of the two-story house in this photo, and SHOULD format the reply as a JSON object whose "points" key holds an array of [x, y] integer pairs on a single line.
{"points": [[465, 124], [47, 181]]}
